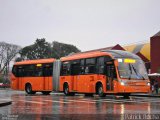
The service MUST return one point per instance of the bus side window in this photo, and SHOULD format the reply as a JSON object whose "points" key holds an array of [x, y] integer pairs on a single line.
{"points": [[38, 71], [90, 66], [100, 65], [29, 70], [47, 70], [82, 66], [75, 67], [20, 71], [65, 68], [14, 70], [51, 69]]}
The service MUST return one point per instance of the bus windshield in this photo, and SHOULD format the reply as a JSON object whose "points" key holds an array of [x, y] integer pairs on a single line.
{"points": [[132, 69]]}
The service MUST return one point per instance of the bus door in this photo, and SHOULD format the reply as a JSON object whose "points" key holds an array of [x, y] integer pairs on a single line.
{"points": [[47, 73], [74, 82], [20, 73], [110, 75], [74, 76]]}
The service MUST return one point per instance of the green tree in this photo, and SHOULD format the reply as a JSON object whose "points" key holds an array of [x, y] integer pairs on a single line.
{"points": [[39, 50], [62, 49], [42, 49]]}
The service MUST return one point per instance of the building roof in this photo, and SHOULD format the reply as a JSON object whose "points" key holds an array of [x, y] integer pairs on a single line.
{"points": [[116, 47], [143, 49], [157, 34]]}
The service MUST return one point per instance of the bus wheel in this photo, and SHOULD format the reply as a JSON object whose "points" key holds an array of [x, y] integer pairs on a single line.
{"points": [[99, 91], [66, 89], [28, 89], [126, 96], [46, 92]]}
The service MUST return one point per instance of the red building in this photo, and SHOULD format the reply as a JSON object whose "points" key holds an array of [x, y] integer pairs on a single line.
{"points": [[155, 53]]}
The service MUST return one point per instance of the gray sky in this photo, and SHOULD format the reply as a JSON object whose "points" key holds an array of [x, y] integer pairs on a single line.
{"points": [[87, 24]]}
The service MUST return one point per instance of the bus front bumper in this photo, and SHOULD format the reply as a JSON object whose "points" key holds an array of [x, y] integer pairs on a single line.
{"points": [[133, 89]]}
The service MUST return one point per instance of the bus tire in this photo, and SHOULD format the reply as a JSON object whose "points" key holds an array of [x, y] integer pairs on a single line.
{"points": [[46, 92], [28, 89], [126, 95], [99, 90], [66, 89]]}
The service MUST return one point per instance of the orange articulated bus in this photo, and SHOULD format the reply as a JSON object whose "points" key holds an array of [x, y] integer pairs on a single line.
{"points": [[103, 72], [33, 76]]}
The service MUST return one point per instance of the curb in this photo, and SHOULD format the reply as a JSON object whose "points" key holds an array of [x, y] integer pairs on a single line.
{"points": [[5, 103]]}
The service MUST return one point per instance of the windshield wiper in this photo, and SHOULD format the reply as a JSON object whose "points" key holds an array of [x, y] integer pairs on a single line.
{"points": [[137, 73], [130, 71]]}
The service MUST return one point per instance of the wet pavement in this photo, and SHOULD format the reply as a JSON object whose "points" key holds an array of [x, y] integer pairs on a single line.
{"points": [[58, 106]]}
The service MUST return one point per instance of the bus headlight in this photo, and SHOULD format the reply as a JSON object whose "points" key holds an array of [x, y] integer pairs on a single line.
{"points": [[122, 83], [148, 84]]}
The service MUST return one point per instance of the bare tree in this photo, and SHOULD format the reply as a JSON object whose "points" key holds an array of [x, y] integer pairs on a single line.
{"points": [[7, 53]]}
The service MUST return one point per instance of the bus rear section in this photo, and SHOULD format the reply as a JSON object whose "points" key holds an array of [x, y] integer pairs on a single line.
{"points": [[33, 76], [103, 72]]}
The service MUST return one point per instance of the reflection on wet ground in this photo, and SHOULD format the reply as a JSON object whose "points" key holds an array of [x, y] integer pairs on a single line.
{"points": [[60, 105]]}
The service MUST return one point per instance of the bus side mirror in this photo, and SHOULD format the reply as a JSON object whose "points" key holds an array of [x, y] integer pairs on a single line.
{"points": [[116, 63]]}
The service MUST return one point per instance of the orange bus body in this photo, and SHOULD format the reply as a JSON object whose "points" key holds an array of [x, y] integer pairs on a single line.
{"points": [[38, 83], [94, 72], [86, 83]]}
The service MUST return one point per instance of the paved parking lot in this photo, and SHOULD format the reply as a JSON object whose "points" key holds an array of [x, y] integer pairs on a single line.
{"points": [[60, 106]]}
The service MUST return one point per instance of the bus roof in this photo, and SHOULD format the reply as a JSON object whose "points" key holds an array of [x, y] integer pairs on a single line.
{"points": [[26, 62], [122, 54], [84, 55], [112, 53]]}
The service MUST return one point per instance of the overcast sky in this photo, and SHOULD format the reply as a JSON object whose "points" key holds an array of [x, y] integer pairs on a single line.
{"points": [[87, 24]]}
